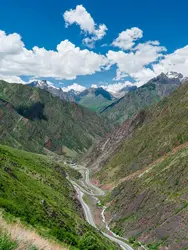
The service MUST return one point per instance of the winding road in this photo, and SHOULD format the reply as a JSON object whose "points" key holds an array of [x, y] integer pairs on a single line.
{"points": [[88, 188]]}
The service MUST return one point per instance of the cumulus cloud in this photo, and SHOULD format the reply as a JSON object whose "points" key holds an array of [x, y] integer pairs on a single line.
{"points": [[94, 86], [132, 62], [119, 75], [143, 76], [116, 87], [74, 86], [113, 88], [66, 62], [177, 61], [126, 39], [141, 62], [10, 44], [81, 17], [137, 59], [12, 79]]}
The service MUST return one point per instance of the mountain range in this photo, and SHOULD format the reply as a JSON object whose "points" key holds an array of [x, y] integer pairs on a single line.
{"points": [[142, 97], [136, 150], [125, 102], [95, 99]]}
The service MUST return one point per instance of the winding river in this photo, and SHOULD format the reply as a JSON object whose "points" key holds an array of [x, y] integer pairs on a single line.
{"points": [[86, 187]]}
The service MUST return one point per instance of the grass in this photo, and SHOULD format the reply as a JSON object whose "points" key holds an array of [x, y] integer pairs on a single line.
{"points": [[34, 189], [6, 243], [32, 119], [155, 200]]}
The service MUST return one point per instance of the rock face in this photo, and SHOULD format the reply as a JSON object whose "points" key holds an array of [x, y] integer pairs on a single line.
{"points": [[144, 96], [31, 119], [145, 162]]}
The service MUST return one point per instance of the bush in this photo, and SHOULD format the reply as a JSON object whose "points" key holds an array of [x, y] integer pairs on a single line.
{"points": [[64, 236], [89, 242]]}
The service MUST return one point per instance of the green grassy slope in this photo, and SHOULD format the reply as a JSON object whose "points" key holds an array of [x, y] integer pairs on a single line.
{"points": [[95, 102], [151, 167], [165, 127], [35, 189], [154, 206], [41, 120], [131, 103]]}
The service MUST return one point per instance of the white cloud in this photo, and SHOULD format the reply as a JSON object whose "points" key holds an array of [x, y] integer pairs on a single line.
{"points": [[67, 62], [116, 87], [112, 88], [177, 61], [94, 86], [143, 76], [135, 62], [126, 39], [119, 75], [10, 44], [74, 86], [81, 17], [143, 62], [12, 79]]}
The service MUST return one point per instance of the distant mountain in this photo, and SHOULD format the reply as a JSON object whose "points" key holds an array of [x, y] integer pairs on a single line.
{"points": [[144, 166], [125, 90], [32, 119], [95, 98], [43, 84], [144, 96]]}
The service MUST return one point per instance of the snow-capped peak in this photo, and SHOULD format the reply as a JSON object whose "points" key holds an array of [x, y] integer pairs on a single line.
{"points": [[43, 84], [172, 74]]}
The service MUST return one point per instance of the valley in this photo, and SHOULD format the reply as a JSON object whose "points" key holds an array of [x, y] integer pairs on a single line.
{"points": [[86, 187], [93, 125], [88, 182]]}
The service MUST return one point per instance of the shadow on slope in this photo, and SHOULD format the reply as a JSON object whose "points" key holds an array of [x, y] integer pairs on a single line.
{"points": [[33, 112]]}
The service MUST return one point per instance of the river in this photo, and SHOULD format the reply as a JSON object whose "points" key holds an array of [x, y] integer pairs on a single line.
{"points": [[86, 187]]}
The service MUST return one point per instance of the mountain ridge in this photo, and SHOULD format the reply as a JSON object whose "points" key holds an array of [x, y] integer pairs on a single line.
{"points": [[46, 121], [151, 92]]}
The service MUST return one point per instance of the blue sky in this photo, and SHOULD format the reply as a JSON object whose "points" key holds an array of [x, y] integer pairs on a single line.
{"points": [[42, 24]]}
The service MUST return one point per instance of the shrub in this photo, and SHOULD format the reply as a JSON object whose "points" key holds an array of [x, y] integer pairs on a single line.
{"points": [[89, 242]]}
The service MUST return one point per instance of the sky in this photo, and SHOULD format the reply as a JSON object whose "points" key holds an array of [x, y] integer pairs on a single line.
{"points": [[92, 43]]}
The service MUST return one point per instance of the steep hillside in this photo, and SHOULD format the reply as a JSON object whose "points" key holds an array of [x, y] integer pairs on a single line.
{"points": [[100, 153], [156, 89], [32, 119], [145, 165], [162, 128], [152, 206], [35, 189]]}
